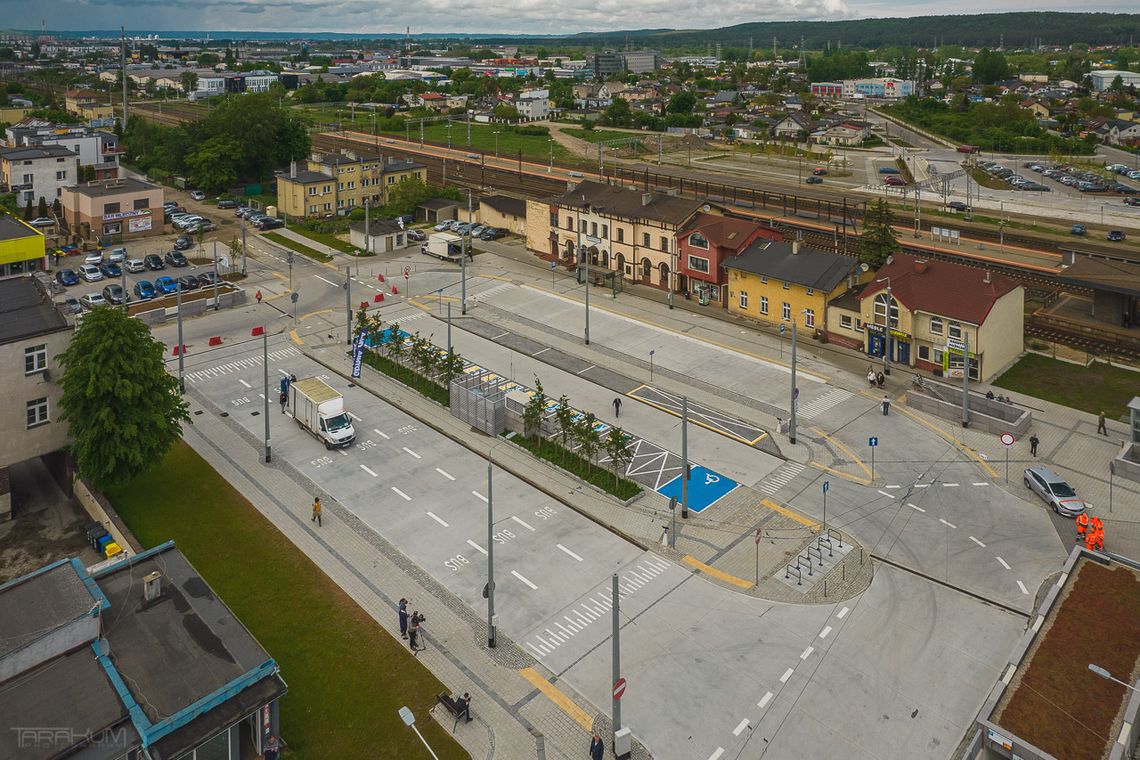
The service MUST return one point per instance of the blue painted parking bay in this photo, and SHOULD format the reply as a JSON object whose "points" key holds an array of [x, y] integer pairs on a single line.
{"points": [[705, 488]]}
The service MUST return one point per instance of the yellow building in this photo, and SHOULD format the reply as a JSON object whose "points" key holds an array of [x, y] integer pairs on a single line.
{"points": [[21, 247], [503, 211], [337, 183], [780, 282]]}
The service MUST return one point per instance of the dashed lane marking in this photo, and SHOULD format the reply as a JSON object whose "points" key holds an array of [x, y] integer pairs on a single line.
{"points": [[524, 580], [556, 695], [369, 471], [843, 613], [477, 547], [401, 494], [979, 484], [380, 433], [567, 551], [823, 634], [764, 700], [976, 541], [807, 653], [949, 485], [1021, 586], [1003, 562], [740, 727], [479, 496], [787, 674], [948, 525], [915, 507], [445, 474], [435, 517], [417, 456], [522, 522], [888, 495], [716, 754], [353, 416], [243, 382]]}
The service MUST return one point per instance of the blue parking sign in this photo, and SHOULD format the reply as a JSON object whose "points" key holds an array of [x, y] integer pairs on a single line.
{"points": [[873, 441]]}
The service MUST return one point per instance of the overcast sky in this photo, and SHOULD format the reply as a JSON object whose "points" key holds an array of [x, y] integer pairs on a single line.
{"points": [[479, 16]]}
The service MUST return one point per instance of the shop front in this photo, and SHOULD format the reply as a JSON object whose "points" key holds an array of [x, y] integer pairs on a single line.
{"points": [[895, 344], [953, 361]]}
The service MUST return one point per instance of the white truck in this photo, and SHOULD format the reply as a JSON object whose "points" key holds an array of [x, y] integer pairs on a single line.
{"points": [[444, 245], [319, 408]]}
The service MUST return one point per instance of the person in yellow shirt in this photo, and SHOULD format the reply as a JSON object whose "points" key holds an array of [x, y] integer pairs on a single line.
{"points": [[317, 511]]}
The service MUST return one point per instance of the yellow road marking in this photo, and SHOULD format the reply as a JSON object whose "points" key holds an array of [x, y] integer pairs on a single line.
{"points": [[993, 473], [786, 512], [846, 450], [303, 317], [555, 695], [706, 426], [293, 336], [719, 574]]}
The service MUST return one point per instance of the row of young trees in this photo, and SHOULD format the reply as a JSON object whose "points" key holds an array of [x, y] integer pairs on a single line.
{"points": [[412, 351]]}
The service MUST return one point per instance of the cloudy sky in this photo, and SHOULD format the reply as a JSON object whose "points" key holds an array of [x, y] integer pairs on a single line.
{"points": [[479, 16]]}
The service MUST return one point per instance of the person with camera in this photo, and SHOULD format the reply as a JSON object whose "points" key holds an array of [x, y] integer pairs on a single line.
{"points": [[414, 631]]}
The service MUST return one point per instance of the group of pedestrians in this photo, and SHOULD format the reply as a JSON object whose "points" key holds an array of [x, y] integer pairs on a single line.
{"points": [[410, 626], [1091, 530]]}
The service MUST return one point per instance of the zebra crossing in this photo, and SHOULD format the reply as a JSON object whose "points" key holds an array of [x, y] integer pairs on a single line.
{"points": [[821, 404], [240, 364], [595, 607], [491, 291], [780, 478]]}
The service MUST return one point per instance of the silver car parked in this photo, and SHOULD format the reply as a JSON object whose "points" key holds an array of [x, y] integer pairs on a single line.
{"points": [[1058, 494]]}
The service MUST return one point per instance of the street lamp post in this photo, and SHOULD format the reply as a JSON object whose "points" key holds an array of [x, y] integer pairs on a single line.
{"points": [[1103, 673], [490, 560], [795, 391], [181, 347], [887, 328], [265, 373], [551, 143], [496, 133], [410, 721]]}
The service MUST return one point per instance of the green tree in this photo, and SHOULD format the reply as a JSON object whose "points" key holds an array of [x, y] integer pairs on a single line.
{"points": [[56, 208], [564, 414], [42, 208], [212, 165], [395, 344], [506, 111], [878, 240], [189, 81], [587, 437], [617, 448], [990, 66], [450, 367], [534, 411], [618, 114], [1117, 84], [123, 409], [405, 195], [682, 103]]}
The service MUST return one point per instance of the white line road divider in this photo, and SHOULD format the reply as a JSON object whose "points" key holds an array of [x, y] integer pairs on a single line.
{"points": [[843, 613], [444, 474], [948, 525], [740, 727], [787, 674], [1003, 562], [1021, 586], [479, 496], [477, 547], [381, 434], [572, 554], [522, 522], [401, 494], [764, 700], [916, 507], [524, 580], [370, 472], [976, 541], [435, 517], [807, 653], [823, 634], [417, 456]]}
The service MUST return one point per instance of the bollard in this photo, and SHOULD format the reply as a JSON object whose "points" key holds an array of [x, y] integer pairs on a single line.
{"points": [[860, 556], [378, 298], [216, 340], [844, 572], [825, 588], [395, 290], [257, 331]]}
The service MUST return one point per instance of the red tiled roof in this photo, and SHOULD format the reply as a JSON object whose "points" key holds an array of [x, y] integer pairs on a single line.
{"points": [[723, 231], [943, 288]]}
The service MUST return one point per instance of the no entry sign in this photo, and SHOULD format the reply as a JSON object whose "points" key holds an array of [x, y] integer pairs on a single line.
{"points": [[619, 688]]}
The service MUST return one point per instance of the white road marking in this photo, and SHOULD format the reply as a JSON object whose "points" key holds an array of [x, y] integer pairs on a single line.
{"points": [[436, 517], [330, 282], [521, 522], [479, 496], [501, 335], [888, 495], [353, 416], [534, 649], [1003, 562], [979, 484], [740, 727], [370, 472], [243, 382], [949, 485], [915, 506], [764, 700], [536, 353], [572, 554], [382, 435], [565, 631], [417, 456], [716, 755], [445, 474], [976, 541], [823, 634], [401, 494], [342, 452], [843, 613], [524, 580], [891, 488], [261, 395], [922, 485], [787, 674], [1021, 586], [477, 547], [948, 525], [586, 370], [807, 653]]}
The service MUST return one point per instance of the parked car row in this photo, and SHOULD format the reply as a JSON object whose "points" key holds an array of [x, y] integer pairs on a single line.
{"points": [[258, 219], [1016, 181], [1083, 180], [470, 228]]}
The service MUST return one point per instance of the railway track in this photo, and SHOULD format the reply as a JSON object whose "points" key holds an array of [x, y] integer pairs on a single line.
{"points": [[1082, 341]]}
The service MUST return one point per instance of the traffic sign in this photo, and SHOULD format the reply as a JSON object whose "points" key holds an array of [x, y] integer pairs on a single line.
{"points": [[873, 441], [826, 486], [783, 327], [554, 263], [294, 297], [619, 688], [289, 258], [757, 536], [1007, 439], [795, 392], [407, 272]]}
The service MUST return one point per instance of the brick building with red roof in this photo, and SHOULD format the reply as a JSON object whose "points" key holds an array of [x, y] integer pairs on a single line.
{"points": [[705, 243]]}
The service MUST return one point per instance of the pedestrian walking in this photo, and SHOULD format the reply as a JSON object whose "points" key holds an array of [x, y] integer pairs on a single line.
{"points": [[617, 406], [597, 748], [880, 379], [271, 749], [1082, 525], [1033, 441], [1100, 426], [316, 511], [886, 406], [403, 618], [414, 632], [870, 377]]}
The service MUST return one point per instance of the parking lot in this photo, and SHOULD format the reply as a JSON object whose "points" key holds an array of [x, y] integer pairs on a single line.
{"points": [[1115, 183]]}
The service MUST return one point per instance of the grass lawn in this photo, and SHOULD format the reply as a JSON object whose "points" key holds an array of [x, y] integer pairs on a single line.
{"points": [[1061, 706], [1098, 387], [321, 237], [347, 677], [300, 248]]}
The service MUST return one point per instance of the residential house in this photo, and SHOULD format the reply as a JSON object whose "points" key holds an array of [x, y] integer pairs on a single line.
{"points": [[87, 105], [381, 236], [337, 183], [98, 150], [503, 211], [595, 95], [1039, 109], [926, 313], [33, 172], [705, 243], [21, 248], [431, 100], [533, 103], [626, 231], [113, 210], [794, 126], [847, 133], [787, 281], [33, 333]]}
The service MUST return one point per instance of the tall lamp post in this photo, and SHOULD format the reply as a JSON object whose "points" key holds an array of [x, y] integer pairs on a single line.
{"points": [[887, 330], [551, 142], [410, 721], [496, 133], [1103, 673]]}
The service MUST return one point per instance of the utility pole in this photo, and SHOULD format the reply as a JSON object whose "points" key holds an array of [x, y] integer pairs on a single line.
{"points": [[367, 233], [965, 378], [795, 392], [490, 562], [123, 69], [463, 261], [265, 368], [684, 457], [243, 248], [216, 303], [181, 347], [616, 660], [347, 305]]}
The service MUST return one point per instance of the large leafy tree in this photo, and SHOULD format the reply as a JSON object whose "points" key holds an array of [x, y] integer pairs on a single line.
{"points": [[123, 408], [878, 239], [212, 165]]}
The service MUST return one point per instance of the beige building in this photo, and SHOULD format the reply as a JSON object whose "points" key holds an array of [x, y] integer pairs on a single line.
{"points": [[337, 183], [118, 209], [927, 313], [503, 211], [32, 334]]}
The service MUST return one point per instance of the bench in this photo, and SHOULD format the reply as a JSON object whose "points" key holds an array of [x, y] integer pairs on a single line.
{"points": [[452, 707]]}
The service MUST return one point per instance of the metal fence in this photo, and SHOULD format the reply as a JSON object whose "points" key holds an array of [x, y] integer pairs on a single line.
{"points": [[479, 399]]}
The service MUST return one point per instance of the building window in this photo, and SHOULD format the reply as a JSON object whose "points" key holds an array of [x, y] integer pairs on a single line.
{"points": [[581, 225], [37, 412], [697, 240], [111, 208], [645, 239], [809, 317], [810, 292], [313, 209], [763, 279], [313, 190], [605, 231], [664, 243], [698, 264], [328, 207], [35, 358], [858, 325], [936, 325], [569, 222], [936, 354], [339, 185], [845, 321], [924, 353], [61, 175], [743, 300], [786, 311], [954, 331], [391, 180], [141, 203], [763, 304], [881, 311], [113, 229], [621, 234], [28, 179], [593, 229]]}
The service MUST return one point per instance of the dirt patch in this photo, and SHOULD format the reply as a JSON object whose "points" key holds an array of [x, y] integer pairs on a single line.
{"points": [[31, 541], [1057, 703]]}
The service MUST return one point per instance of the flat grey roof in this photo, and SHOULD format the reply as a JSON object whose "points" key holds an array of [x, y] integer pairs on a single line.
{"points": [[32, 606], [113, 187], [26, 311], [11, 228], [811, 267]]}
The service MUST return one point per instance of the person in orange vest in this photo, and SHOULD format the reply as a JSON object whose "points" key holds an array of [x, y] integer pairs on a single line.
{"points": [[1090, 541], [1098, 540], [1082, 525], [1096, 525]]}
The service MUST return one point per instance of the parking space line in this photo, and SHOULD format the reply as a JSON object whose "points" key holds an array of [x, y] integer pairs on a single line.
{"points": [[787, 674], [444, 474], [342, 452], [524, 580], [370, 472], [823, 634], [888, 495], [764, 700], [521, 522], [436, 517], [976, 541], [353, 416], [1003, 562], [949, 485], [570, 553], [843, 613], [948, 525], [479, 496], [979, 484], [477, 547], [586, 370], [401, 494], [740, 727], [915, 507], [243, 382], [922, 485], [417, 456], [1021, 586], [382, 435]]}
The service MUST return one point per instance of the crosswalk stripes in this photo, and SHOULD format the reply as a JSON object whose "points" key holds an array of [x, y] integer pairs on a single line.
{"points": [[491, 291], [595, 607], [780, 478], [816, 406], [234, 366]]}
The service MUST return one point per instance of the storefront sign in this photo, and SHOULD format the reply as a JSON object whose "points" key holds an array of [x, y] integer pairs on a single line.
{"points": [[138, 225], [900, 335], [126, 214], [955, 345], [877, 329]]}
